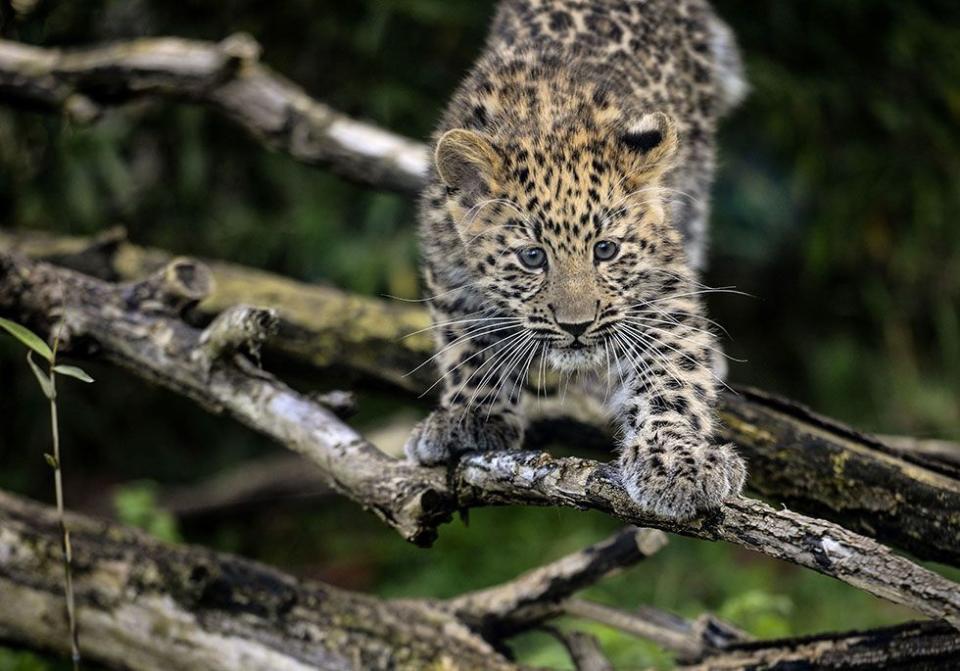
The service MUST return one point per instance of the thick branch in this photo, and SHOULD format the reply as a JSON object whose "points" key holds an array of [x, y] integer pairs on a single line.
{"points": [[147, 606], [226, 77], [818, 466], [415, 500], [917, 645], [320, 326]]}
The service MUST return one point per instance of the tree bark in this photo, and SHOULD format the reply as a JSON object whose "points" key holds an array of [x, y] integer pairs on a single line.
{"points": [[905, 498], [148, 606], [915, 646]]}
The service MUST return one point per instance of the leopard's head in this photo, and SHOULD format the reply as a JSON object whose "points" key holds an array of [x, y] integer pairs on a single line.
{"points": [[567, 231]]}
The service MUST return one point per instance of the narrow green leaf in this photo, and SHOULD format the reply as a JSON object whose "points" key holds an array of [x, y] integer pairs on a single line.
{"points": [[45, 382], [28, 338], [51, 460], [73, 371]]}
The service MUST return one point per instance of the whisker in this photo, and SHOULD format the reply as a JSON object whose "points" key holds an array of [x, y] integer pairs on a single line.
{"points": [[694, 315], [525, 375], [467, 360], [635, 354], [477, 333], [660, 329], [646, 319], [498, 359], [437, 325], [428, 298], [508, 368], [702, 292], [682, 354], [543, 371]]}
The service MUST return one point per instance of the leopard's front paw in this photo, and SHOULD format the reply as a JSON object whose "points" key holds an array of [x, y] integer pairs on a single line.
{"points": [[684, 480], [449, 432]]}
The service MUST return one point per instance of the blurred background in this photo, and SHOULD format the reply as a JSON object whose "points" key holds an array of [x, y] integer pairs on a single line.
{"points": [[836, 208]]}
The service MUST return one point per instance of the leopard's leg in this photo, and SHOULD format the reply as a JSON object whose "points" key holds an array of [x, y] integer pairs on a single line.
{"points": [[671, 463], [481, 365]]}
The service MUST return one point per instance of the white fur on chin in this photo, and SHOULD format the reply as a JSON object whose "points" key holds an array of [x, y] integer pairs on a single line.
{"points": [[570, 360]]}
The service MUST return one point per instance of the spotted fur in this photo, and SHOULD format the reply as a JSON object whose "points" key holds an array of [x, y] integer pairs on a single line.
{"points": [[586, 126]]}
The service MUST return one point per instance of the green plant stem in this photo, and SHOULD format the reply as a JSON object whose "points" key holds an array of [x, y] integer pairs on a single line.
{"points": [[65, 534]]}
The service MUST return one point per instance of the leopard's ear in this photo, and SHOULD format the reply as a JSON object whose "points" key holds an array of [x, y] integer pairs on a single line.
{"points": [[651, 143], [467, 161]]}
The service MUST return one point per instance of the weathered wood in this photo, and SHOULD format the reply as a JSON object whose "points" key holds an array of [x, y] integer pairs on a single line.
{"points": [[226, 77], [827, 469], [135, 329], [818, 466], [915, 646], [148, 606], [320, 326]]}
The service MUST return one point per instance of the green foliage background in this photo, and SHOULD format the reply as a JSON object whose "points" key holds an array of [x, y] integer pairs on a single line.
{"points": [[836, 207]]}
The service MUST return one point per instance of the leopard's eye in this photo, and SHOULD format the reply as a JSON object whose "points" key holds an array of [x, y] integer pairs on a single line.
{"points": [[533, 257], [605, 250]]}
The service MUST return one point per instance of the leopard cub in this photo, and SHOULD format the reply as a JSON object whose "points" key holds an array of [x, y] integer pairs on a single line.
{"points": [[564, 226]]}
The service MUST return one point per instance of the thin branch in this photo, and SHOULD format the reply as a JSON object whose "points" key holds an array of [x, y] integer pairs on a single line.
{"points": [[689, 640], [224, 76], [546, 592], [414, 500], [247, 486], [540, 593], [584, 650], [809, 462]]}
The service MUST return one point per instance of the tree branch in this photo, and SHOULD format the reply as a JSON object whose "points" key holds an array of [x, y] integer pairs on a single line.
{"points": [[226, 77], [584, 650], [539, 594], [915, 645], [160, 347], [809, 462], [688, 640], [244, 487]]}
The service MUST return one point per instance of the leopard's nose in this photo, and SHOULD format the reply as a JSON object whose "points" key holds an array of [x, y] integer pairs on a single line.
{"points": [[577, 329]]}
